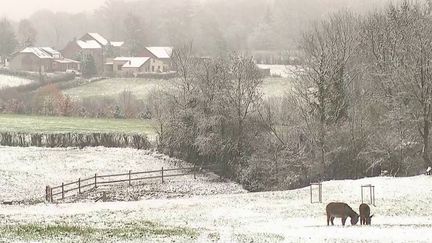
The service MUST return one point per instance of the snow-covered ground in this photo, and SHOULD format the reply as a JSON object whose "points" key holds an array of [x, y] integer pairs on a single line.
{"points": [[11, 81], [402, 214], [284, 71], [25, 172]]}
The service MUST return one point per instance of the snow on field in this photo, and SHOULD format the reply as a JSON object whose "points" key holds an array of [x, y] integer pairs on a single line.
{"points": [[284, 71], [11, 81], [402, 214], [25, 172]]}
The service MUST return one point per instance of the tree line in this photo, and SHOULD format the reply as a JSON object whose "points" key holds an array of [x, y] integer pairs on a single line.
{"points": [[360, 105], [215, 27]]}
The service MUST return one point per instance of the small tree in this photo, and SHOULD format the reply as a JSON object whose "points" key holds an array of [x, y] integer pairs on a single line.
{"points": [[88, 66]]}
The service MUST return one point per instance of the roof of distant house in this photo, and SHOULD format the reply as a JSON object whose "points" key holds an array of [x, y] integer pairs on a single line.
{"points": [[40, 52], [51, 51], [66, 60], [117, 43], [90, 44], [161, 51], [99, 38], [132, 62]]}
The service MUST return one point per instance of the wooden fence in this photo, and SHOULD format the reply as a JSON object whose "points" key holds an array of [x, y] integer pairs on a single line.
{"points": [[84, 185]]}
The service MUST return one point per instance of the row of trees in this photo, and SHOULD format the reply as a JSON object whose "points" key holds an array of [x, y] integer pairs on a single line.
{"points": [[214, 27], [49, 100], [361, 104]]}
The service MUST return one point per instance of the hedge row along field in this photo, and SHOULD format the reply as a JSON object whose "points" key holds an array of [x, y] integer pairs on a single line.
{"points": [[111, 140]]}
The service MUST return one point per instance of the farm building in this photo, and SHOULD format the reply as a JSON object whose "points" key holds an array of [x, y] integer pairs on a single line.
{"points": [[95, 45], [41, 59], [129, 65], [160, 58]]}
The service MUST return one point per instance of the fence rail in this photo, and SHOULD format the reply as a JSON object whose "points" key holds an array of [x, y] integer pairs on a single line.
{"points": [[59, 192]]}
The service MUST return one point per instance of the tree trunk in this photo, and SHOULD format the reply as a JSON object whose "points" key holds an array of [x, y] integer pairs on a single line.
{"points": [[425, 152]]}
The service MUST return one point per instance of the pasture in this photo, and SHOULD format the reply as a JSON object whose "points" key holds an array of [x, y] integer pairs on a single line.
{"points": [[141, 88], [112, 87], [401, 215], [50, 124]]}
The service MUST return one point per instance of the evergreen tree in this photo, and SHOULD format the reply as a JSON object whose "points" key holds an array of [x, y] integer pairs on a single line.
{"points": [[88, 66], [134, 33]]}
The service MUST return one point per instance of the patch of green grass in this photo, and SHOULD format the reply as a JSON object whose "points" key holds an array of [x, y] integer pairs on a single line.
{"points": [[140, 87], [259, 237], [48, 124], [142, 230]]}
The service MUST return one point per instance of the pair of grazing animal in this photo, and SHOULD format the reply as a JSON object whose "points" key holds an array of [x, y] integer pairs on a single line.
{"points": [[343, 210]]}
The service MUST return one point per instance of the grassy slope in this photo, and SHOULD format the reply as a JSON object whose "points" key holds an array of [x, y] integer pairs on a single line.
{"points": [[142, 87], [113, 87], [46, 124]]}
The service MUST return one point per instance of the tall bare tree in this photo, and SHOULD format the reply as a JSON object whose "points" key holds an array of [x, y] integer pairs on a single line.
{"points": [[26, 33], [329, 49], [399, 42]]}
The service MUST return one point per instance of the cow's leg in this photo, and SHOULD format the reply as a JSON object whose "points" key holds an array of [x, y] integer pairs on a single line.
{"points": [[331, 219], [328, 219], [344, 220]]}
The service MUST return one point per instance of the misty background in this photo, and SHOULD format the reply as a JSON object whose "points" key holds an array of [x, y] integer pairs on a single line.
{"points": [[213, 26]]}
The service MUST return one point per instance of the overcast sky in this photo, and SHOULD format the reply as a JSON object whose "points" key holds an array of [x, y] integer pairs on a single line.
{"points": [[18, 9]]}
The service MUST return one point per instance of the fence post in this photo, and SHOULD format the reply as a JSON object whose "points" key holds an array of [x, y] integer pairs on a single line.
{"points": [[320, 192], [194, 170], [162, 175], [95, 180], [47, 193], [130, 184], [62, 191], [311, 192], [79, 185], [51, 194]]}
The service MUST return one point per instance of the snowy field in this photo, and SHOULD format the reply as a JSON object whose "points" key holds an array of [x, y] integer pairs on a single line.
{"points": [[25, 172], [284, 71], [11, 81], [402, 214]]}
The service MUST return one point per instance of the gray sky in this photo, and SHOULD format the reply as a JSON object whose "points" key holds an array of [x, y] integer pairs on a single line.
{"points": [[17, 9]]}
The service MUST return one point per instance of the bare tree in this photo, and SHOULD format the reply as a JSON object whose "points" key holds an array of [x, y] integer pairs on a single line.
{"points": [[329, 49], [399, 43]]}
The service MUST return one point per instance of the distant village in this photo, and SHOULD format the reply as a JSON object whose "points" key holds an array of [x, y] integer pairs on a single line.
{"points": [[107, 57]]}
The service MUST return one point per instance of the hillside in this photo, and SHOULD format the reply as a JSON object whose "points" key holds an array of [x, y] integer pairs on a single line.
{"points": [[25, 172], [402, 214], [141, 88]]}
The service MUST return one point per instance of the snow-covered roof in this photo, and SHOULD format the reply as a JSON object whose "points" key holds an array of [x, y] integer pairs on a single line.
{"points": [[66, 60], [117, 43], [100, 39], [51, 51], [90, 44], [132, 62], [161, 51], [40, 52]]}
